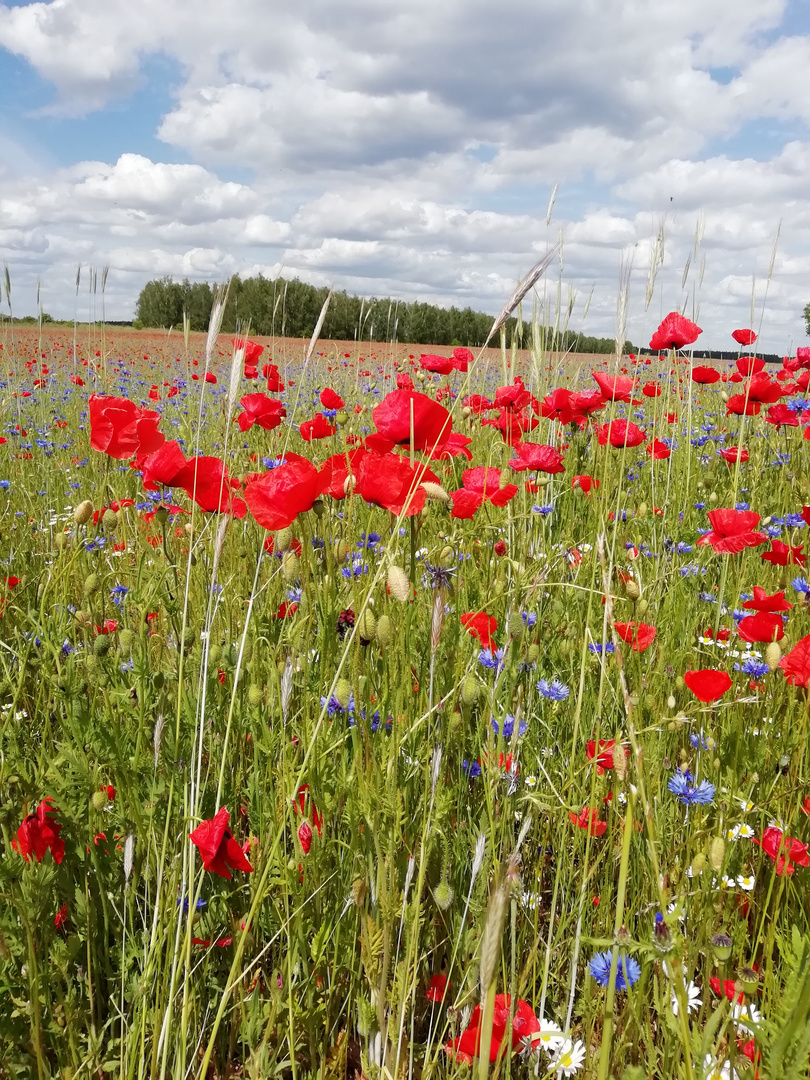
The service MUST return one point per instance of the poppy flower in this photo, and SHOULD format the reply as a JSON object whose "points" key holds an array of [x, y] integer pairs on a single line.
{"points": [[331, 400], [253, 350], [781, 416], [432, 423], [481, 626], [389, 481], [316, 428], [658, 451], [744, 337], [337, 470], [456, 445], [305, 836], [481, 484], [513, 424], [732, 531], [441, 365], [280, 495], [620, 433], [61, 918], [762, 627], [404, 382], [615, 387], [538, 458], [639, 636], [784, 850], [604, 753], [525, 1030], [39, 832], [728, 990], [587, 402], [438, 988], [219, 851], [750, 365], [651, 390], [513, 396], [558, 405], [275, 384], [796, 663], [206, 481], [733, 453], [161, 467], [262, 410], [584, 483], [674, 332], [586, 819], [707, 685], [761, 388], [742, 405], [121, 429], [477, 403], [784, 555], [761, 601], [462, 358], [705, 375]]}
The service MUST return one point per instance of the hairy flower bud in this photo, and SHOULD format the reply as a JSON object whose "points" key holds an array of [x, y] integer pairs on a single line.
{"points": [[435, 492], [343, 692], [470, 690], [125, 639], [631, 590], [83, 512], [283, 540], [91, 584], [255, 694], [110, 520], [398, 584], [289, 566], [717, 853], [367, 626], [101, 646], [383, 633], [773, 654]]}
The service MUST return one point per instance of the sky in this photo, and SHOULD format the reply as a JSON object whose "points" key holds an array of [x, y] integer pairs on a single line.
{"points": [[413, 149]]}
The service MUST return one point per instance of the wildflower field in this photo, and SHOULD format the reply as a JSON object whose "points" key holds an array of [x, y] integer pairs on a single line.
{"points": [[374, 713]]}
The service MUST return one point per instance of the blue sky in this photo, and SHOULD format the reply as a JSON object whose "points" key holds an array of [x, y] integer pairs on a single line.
{"points": [[411, 150]]}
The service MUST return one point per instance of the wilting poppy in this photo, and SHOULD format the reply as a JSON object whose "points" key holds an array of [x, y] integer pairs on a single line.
{"points": [[674, 332], [732, 531], [316, 428], [796, 663], [277, 498], [481, 626], [620, 433], [121, 429], [219, 851], [262, 410], [639, 636], [707, 684], [525, 1030], [784, 850], [538, 458], [39, 832]]}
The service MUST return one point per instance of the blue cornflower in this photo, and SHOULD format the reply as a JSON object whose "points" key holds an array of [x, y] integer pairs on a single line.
{"points": [[509, 726], [801, 585], [597, 648], [743, 506], [489, 659], [753, 667], [5, 484], [184, 901], [67, 648], [544, 510], [294, 595], [699, 742], [683, 548], [471, 768], [682, 785], [369, 540], [554, 690], [628, 970], [117, 593], [529, 618]]}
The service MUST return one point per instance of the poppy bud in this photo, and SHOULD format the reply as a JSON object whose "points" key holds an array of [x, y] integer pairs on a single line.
{"points": [[189, 529], [773, 654], [99, 800], [642, 510], [717, 853], [283, 539], [125, 639], [671, 702], [713, 497], [214, 653], [679, 682], [343, 692], [92, 665], [305, 836], [367, 626], [189, 637], [60, 541], [533, 653], [358, 891], [342, 418], [110, 520], [642, 607], [341, 550], [255, 694], [515, 625], [383, 633], [466, 412], [83, 512], [620, 766], [698, 863], [91, 583], [398, 584], [435, 492], [101, 646], [289, 566], [162, 514], [443, 895], [470, 690], [631, 590]]}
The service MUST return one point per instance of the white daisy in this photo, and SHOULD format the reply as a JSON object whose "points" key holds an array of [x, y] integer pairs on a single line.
{"points": [[744, 1014], [550, 1037], [745, 831], [746, 882], [530, 781], [569, 1058], [733, 834], [745, 804], [693, 998]]}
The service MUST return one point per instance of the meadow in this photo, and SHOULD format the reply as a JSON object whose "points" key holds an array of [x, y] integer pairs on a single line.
{"points": [[368, 711]]}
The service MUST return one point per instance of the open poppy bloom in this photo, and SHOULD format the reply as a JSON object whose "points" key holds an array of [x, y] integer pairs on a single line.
{"points": [[280, 495], [781, 416], [121, 429], [219, 851], [275, 384], [316, 428], [441, 365], [389, 481], [763, 627], [481, 626], [744, 337], [331, 400], [438, 988], [732, 454], [559, 405], [604, 754], [732, 531], [588, 819], [761, 601], [707, 684], [253, 350], [651, 390], [525, 1030], [584, 483], [538, 458], [206, 481], [339, 473], [620, 433], [262, 410], [513, 424], [674, 332], [784, 850], [455, 445], [160, 468], [658, 450], [705, 376], [476, 403], [796, 663], [639, 636], [481, 484], [432, 423], [614, 387], [784, 555], [40, 832]]}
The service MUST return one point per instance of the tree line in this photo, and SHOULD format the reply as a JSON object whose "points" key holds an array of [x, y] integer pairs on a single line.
{"points": [[290, 308]]}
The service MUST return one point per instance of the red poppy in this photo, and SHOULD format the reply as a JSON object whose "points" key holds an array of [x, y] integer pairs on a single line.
{"points": [[339, 473], [481, 626], [744, 337], [584, 483], [784, 555], [781, 416], [61, 917], [761, 601], [762, 627], [513, 424], [262, 410], [499, 547], [784, 850], [651, 390], [305, 836], [525, 1028], [275, 384], [538, 458], [438, 988], [316, 428], [477, 403], [586, 819], [639, 636], [796, 663], [404, 382], [705, 375], [707, 684], [658, 451], [456, 445], [558, 405], [432, 423], [161, 467], [728, 989], [514, 396], [614, 387], [462, 358], [587, 402], [620, 433], [331, 400], [442, 365], [38, 832], [220, 852], [732, 531], [121, 429], [674, 332], [732, 453], [277, 498], [481, 484], [604, 755], [750, 365], [389, 481], [253, 350], [761, 388], [206, 481]]}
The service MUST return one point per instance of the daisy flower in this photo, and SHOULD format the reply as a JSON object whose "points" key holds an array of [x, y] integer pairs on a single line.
{"points": [[744, 1014], [569, 1058], [746, 882], [550, 1037], [693, 998]]}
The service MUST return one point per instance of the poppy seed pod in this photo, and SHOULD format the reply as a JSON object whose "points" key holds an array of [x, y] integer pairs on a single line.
{"points": [[342, 418], [83, 512], [189, 637], [398, 584], [162, 514], [721, 947], [383, 633], [91, 584]]}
